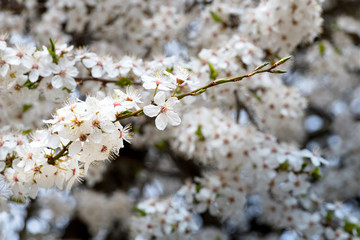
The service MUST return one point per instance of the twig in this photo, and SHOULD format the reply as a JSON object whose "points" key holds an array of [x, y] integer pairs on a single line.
{"points": [[241, 105], [214, 83]]}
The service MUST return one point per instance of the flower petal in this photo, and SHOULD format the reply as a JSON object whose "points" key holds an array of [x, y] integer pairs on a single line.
{"points": [[159, 98], [161, 121], [172, 101], [173, 118], [34, 75], [151, 110], [57, 81], [96, 71], [74, 148], [149, 85]]}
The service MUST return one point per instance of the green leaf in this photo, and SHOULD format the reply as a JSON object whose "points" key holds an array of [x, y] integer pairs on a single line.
{"points": [[52, 45], [173, 228], [316, 173], [278, 71], [255, 95], [198, 188], [141, 213], [338, 51], [352, 228], [25, 132], [52, 52], [17, 200], [200, 134], [262, 66], [119, 115], [282, 61], [30, 85], [284, 166], [321, 48], [66, 89], [304, 165], [170, 70], [201, 91], [125, 112], [161, 145], [220, 81], [26, 107], [329, 216], [215, 17], [213, 72], [123, 82]]}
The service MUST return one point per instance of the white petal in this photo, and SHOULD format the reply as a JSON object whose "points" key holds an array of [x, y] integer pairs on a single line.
{"points": [[151, 110], [89, 63], [54, 68], [27, 61], [96, 71], [149, 85], [161, 121], [163, 87], [172, 101], [124, 71], [173, 118], [59, 181], [4, 69], [72, 72], [34, 75], [160, 98], [2, 166], [74, 148], [44, 71], [57, 82], [147, 78], [70, 83]]}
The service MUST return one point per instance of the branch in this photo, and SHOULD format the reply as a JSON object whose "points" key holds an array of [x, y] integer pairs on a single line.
{"points": [[214, 83], [237, 79], [250, 113]]}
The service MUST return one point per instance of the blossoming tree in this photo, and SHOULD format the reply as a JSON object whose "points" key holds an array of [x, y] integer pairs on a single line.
{"points": [[179, 119]]}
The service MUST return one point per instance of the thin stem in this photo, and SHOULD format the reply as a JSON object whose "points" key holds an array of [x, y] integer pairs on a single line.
{"points": [[157, 85], [235, 79], [177, 86], [219, 82], [60, 154], [136, 113], [249, 112]]}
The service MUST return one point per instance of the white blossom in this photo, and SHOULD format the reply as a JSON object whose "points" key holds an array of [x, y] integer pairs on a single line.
{"points": [[164, 111]]}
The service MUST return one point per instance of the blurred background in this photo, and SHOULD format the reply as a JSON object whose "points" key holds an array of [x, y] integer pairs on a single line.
{"points": [[325, 69]]}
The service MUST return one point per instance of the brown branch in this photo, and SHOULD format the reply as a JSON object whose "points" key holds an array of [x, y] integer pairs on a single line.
{"points": [[214, 83]]}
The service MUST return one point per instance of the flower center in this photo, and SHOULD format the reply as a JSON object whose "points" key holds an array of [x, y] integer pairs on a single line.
{"points": [[163, 109], [36, 169], [62, 73], [96, 123], [104, 148], [83, 137]]}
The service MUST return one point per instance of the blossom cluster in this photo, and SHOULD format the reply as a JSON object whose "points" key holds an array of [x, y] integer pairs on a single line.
{"points": [[103, 209], [79, 133], [244, 138], [166, 218]]}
